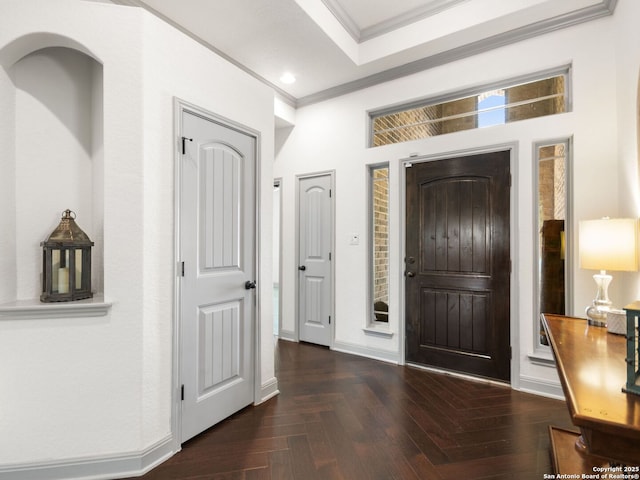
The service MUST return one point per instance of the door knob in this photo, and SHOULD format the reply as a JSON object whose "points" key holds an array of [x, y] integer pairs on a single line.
{"points": [[302, 267], [249, 284], [410, 274]]}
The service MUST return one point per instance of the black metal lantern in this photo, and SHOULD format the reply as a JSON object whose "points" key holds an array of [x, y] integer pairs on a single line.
{"points": [[66, 262]]}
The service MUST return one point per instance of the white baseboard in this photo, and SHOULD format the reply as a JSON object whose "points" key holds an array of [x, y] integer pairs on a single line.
{"points": [[95, 468], [375, 354], [287, 335], [541, 387], [269, 389]]}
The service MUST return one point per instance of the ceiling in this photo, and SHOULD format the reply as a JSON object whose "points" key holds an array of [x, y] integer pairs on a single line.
{"points": [[336, 46]]}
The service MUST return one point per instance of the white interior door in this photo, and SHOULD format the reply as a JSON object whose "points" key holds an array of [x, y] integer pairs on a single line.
{"points": [[315, 292], [217, 246]]}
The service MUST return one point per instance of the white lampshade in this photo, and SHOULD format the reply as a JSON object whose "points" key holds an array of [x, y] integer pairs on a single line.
{"points": [[609, 244]]}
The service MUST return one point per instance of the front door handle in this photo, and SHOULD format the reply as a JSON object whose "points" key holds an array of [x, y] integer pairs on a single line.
{"points": [[410, 274], [249, 285], [302, 267]]}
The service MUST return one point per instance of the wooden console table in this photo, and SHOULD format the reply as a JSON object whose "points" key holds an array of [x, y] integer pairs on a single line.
{"points": [[592, 369]]}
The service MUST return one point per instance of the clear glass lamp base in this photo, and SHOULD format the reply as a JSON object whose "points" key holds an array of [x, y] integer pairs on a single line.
{"points": [[597, 312], [597, 315]]}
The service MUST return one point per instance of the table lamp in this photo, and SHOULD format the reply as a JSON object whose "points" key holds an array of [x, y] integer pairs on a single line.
{"points": [[607, 244]]}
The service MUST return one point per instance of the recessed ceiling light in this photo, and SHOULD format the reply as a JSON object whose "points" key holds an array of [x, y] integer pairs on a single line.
{"points": [[288, 78]]}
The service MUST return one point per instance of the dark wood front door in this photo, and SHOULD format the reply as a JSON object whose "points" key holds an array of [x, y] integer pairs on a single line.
{"points": [[457, 266]]}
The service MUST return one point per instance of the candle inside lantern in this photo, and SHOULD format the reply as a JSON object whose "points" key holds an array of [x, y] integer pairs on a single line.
{"points": [[63, 280]]}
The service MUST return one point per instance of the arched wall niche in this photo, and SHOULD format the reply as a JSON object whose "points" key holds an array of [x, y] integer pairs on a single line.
{"points": [[26, 44], [52, 87]]}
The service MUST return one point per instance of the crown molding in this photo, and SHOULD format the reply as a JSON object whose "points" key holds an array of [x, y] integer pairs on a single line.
{"points": [[407, 18], [284, 96], [362, 35], [603, 9], [343, 18], [559, 22]]}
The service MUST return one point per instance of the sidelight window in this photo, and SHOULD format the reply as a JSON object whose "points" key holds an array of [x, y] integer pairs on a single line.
{"points": [[545, 93], [551, 160], [379, 241]]}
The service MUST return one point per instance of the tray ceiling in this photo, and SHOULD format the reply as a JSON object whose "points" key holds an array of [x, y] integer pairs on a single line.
{"points": [[336, 46]]}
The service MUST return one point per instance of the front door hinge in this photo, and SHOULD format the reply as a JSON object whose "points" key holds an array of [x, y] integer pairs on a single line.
{"points": [[510, 353], [184, 139], [329, 193], [181, 269], [182, 392], [329, 256], [329, 319]]}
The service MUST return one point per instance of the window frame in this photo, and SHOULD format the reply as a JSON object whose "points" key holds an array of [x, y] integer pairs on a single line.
{"points": [[372, 322], [563, 70], [542, 353]]}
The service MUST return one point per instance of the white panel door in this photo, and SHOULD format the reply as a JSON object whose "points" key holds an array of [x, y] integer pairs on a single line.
{"points": [[217, 246], [314, 263]]}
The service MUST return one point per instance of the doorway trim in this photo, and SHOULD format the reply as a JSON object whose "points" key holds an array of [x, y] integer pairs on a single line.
{"points": [[179, 106], [279, 182], [332, 175], [514, 307]]}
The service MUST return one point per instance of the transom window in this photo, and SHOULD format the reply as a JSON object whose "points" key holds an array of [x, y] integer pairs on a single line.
{"points": [[533, 96]]}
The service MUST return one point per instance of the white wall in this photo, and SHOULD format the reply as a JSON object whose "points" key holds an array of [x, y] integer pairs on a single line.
{"points": [[184, 69], [73, 387], [627, 54], [332, 135], [77, 390], [8, 289]]}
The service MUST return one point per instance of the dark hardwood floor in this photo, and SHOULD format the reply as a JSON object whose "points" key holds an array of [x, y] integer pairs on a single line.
{"points": [[345, 417]]}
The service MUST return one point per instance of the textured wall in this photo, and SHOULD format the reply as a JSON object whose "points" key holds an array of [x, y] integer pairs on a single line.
{"points": [[88, 388]]}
